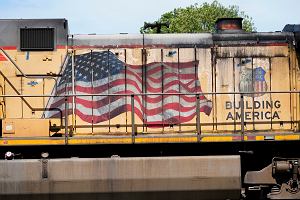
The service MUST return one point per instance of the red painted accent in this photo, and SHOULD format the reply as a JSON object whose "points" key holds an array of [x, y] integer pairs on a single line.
{"points": [[251, 138], [15, 48], [140, 46], [61, 46], [105, 46], [163, 46], [9, 47], [255, 45], [2, 58], [278, 44], [236, 138], [239, 138]]}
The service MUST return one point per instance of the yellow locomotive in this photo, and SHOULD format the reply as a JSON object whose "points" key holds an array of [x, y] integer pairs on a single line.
{"points": [[92, 89], [222, 94]]}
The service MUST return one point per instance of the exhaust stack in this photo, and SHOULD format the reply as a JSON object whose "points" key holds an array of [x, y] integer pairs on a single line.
{"points": [[229, 25]]}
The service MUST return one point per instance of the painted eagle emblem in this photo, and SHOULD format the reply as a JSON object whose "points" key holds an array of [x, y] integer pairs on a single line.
{"points": [[252, 80]]}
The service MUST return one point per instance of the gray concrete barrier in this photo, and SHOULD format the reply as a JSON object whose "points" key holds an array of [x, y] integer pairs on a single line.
{"points": [[203, 177]]}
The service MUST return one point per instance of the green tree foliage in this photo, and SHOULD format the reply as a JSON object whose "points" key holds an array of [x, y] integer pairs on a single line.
{"points": [[199, 18]]}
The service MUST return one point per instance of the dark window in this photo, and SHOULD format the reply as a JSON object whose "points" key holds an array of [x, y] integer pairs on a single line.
{"points": [[37, 39]]}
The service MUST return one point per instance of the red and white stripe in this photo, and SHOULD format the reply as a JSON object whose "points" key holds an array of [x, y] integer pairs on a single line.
{"points": [[154, 109]]}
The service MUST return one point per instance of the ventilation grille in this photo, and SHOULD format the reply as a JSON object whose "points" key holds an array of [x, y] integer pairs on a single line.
{"points": [[37, 39]]}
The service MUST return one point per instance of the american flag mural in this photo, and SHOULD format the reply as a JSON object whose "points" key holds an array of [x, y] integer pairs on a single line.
{"points": [[103, 73]]}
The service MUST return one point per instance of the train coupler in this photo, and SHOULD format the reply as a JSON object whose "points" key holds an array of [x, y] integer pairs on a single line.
{"points": [[280, 179]]}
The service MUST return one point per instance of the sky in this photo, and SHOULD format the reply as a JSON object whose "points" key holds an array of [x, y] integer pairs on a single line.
{"points": [[127, 16]]}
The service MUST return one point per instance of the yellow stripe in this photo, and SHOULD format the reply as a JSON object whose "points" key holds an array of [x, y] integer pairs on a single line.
{"points": [[259, 138], [287, 137], [15, 142], [166, 139], [217, 139], [100, 141], [127, 140]]}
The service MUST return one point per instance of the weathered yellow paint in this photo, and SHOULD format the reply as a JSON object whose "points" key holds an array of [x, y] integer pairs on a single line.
{"points": [[107, 140], [279, 62], [287, 137], [253, 51], [128, 140], [260, 138], [25, 127], [217, 139], [32, 141], [166, 139]]}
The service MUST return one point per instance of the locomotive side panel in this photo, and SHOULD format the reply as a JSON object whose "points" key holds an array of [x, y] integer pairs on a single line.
{"points": [[205, 76], [245, 73], [29, 71], [239, 72], [16, 83], [263, 74]]}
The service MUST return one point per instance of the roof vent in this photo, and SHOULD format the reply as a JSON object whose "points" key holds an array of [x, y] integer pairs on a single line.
{"points": [[229, 25]]}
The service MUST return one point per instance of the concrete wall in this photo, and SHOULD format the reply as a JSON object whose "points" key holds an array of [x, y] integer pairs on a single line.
{"points": [[207, 177]]}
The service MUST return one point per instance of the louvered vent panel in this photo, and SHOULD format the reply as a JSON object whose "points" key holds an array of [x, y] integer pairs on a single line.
{"points": [[37, 39]]}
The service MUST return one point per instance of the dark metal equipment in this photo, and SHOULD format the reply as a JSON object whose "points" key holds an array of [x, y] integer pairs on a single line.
{"points": [[157, 25], [229, 25], [295, 29], [279, 180]]}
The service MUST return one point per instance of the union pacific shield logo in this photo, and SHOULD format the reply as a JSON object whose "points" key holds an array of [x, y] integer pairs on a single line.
{"points": [[260, 84], [252, 80]]}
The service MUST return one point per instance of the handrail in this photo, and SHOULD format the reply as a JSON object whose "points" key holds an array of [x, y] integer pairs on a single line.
{"points": [[146, 94], [27, 103], [13, 62], [33, 77], [15, 89], [26, 75], [200, 135]]}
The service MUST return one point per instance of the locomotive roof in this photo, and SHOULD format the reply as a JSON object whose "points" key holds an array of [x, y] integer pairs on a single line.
{"points": [[9, 30], [180, 40]]}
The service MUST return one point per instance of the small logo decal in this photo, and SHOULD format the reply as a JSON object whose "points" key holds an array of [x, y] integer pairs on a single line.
{"points": [[32, 83], [171, 53]]}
